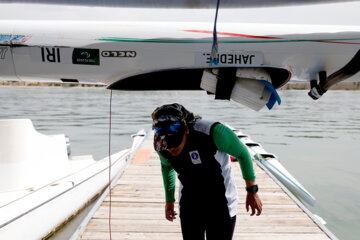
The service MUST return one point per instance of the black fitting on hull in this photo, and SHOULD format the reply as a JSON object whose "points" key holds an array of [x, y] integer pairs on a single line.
{"points": [[317, 90], [325, 83], [225, 83]]}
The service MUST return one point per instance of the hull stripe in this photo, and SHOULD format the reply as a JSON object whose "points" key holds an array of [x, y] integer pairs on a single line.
{"points": [[232, 34], [159, 40]]}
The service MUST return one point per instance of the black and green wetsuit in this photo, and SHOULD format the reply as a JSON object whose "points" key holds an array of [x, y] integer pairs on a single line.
{"points": [[204, 170]]}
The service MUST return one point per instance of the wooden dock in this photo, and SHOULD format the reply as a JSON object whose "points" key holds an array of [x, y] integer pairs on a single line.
{"points": [[137, 208]]}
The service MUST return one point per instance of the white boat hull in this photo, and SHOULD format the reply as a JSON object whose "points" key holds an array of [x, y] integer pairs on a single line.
{"points": [[121, 48], [273, 165], [50, 206], [33, 213]]}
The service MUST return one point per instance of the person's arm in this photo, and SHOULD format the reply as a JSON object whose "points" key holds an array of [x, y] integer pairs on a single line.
{"points": [[227, 141], [169, 175]]}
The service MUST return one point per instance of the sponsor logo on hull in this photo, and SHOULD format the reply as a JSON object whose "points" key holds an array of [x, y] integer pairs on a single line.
{"points": [[120, 54], [86, 56], [14, 38]]}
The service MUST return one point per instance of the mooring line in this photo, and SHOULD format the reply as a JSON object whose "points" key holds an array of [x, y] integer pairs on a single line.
{"points": [[110, 165], [215, 46]]}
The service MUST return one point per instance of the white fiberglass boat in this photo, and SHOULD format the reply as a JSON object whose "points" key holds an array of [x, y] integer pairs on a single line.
{"points": [[149, 45], [40, 186], [270, 162]]}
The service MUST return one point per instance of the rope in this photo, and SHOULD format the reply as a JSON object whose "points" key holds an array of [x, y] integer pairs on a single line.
{"points": [[213, 60], [214, 50], [110, 165]]}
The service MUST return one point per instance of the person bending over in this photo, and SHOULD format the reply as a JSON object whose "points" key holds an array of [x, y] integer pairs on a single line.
{"points": [[198, 152]]}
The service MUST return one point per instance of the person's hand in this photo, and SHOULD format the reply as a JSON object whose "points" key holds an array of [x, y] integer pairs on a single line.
{"points": [[169, 211], [253, 200]]}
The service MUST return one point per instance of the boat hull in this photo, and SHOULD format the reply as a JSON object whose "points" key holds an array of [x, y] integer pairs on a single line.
{"points": [[50, 206], [45, 191], [272, 164], [110, 51]]}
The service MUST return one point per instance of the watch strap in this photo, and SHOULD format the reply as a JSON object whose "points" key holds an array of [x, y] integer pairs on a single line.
{"points": [[252, 189]]}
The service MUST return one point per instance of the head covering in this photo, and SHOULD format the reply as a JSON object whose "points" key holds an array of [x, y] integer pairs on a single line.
{"points": [[174, 109], [169, 124]]}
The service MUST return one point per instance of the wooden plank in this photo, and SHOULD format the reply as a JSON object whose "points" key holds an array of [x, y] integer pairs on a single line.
{"points": [[266, 224], [142, 156], [137, 208], [176, 236]]}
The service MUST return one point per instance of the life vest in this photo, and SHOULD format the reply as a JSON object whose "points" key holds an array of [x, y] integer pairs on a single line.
{"points": [[204, 172]]}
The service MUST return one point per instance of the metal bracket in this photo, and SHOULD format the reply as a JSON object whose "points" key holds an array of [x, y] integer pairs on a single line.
{"points": [[350, 69]]}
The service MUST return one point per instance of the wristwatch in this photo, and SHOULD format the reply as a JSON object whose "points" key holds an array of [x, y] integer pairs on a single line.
{"points": [[252, 189]]}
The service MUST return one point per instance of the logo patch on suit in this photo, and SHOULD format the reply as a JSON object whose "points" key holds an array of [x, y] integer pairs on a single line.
{"points": [[195, 157]]}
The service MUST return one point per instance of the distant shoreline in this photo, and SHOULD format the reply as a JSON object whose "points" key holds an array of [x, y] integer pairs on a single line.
{"points": [[48, 84], [352, 86]]}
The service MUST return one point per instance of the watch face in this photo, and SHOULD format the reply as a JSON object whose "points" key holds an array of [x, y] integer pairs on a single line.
{"points": [[252, 189]]}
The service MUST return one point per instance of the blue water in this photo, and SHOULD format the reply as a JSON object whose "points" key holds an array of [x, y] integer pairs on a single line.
{"points": [[317, 141]]}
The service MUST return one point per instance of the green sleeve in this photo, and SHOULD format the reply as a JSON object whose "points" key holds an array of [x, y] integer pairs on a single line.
{"points": [[227, 141], [169, 178]]}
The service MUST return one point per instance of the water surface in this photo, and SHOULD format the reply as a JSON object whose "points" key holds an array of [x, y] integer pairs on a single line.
{"points": [[317, 141]]}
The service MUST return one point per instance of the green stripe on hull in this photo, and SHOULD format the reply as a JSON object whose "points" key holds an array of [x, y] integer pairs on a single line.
{"points": [[338, 41]]}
